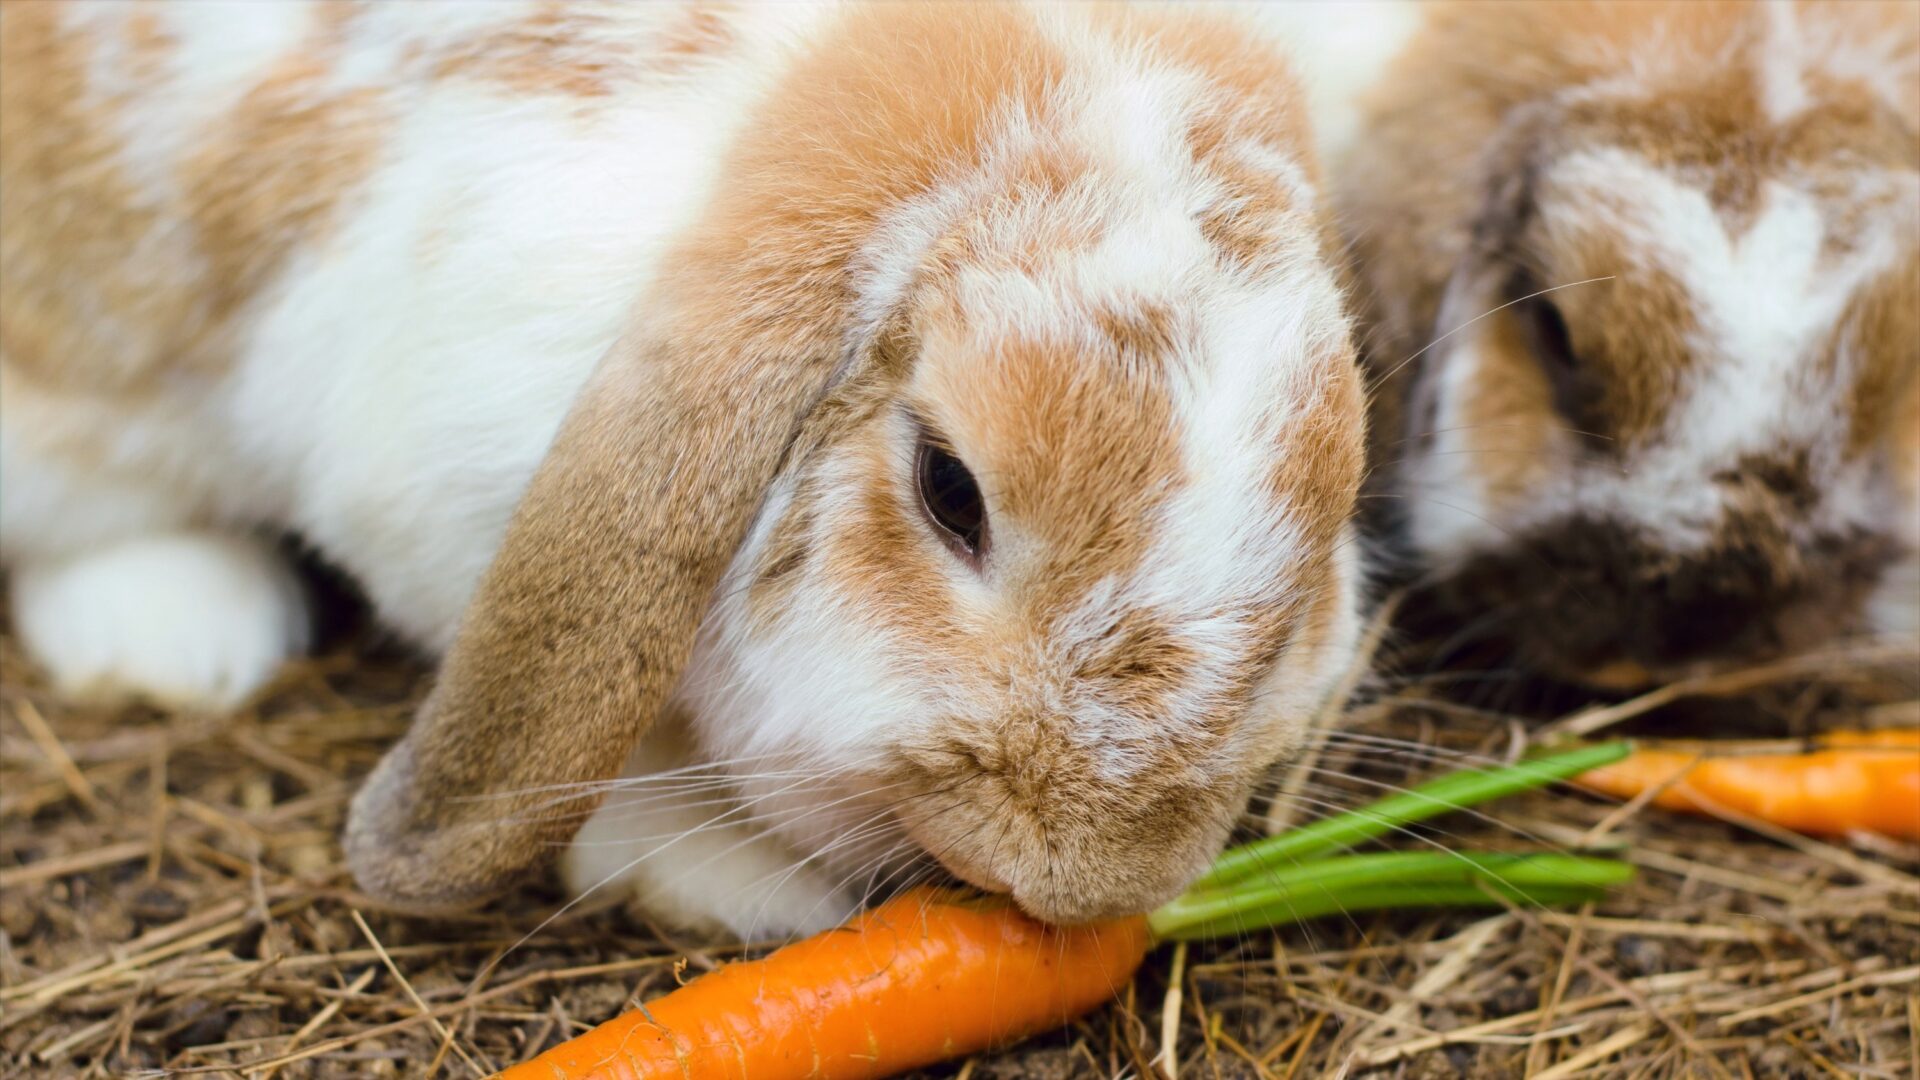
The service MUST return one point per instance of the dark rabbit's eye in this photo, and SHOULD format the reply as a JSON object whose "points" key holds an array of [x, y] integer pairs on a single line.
{"points": [[1578, 386], [1552, 342], [951, 498]]}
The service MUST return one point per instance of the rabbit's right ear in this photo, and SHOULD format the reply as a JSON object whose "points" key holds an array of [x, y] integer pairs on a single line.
{"points": [[581, 626]]}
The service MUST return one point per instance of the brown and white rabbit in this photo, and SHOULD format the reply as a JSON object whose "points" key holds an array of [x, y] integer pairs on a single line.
{"points": [[941, 418], [1642, 298]]}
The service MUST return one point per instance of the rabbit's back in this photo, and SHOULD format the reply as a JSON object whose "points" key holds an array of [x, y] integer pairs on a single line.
{"points": [[340, 267]]}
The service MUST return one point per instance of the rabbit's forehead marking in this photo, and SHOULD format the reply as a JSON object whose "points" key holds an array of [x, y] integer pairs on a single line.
{"points": [[1200, 494], [1755, 308]]}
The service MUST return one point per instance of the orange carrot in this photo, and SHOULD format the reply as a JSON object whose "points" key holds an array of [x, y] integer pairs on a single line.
{"points": [[912, 982], [931, 975], [1855, 781]]}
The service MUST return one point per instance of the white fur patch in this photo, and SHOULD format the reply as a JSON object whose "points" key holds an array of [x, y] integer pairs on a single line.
{"points": [[683, 841], [1339, 48], [1782, 63], [188, 620]]}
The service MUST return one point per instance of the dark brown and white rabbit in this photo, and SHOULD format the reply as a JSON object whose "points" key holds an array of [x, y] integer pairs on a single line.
{"points": [[1642, 284], [940, 418]]}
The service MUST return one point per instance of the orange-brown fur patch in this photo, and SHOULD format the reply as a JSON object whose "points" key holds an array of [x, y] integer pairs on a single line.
{"points": [[1078, 461], [272, 181], [1507, 415], [1318, 468], [699, 33], [1258, 91], [1631, 335], [555, 49], [1322, 450], [1246, 228], [1879, 337], [73, 310], [1146, 334], [148, 40], [1141, 665], [103, 290]]}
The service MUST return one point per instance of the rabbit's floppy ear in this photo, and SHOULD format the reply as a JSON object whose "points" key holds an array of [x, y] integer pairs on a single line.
{"points": [[581, 626]]}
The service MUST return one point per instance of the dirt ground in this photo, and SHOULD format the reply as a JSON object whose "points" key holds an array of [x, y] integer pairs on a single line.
{"points": [[172, 901]]}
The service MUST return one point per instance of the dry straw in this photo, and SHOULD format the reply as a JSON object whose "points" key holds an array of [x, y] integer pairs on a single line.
{"points": [[172, 898]]}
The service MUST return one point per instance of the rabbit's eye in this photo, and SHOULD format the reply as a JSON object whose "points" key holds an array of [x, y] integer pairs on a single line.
{"points": [[952, 499], [1552, 342], [1577, 386]]}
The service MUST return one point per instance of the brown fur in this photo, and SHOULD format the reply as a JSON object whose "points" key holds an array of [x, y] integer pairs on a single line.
{"points": [[72, 310], [1067, 459], [1512, 415], [1880, 336], [700, 32], [1144, 664], [1631, 336], [1250, 222], [1321, 453], [273, 183], [1146, 335]]}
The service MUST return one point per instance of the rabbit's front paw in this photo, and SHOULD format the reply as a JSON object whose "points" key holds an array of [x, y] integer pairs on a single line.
{"points": [[193, 620]]}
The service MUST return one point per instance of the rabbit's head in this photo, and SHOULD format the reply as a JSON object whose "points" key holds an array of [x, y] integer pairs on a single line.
{"points": [[990, 444], [1644, 280]]}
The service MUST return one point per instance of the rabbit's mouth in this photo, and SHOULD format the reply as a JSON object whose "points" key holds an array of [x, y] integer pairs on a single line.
{"points": [[978, 873], [1074, 854]]}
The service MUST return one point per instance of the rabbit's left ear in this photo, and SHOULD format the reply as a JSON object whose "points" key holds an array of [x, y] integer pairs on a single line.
{"points": [[581, 626]]}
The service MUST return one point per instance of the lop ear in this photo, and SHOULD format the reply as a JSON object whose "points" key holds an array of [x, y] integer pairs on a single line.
{"points": [[580, 628]]}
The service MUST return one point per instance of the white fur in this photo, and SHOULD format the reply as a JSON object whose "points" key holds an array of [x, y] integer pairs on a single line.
{"points": [[1783, 85], [692, 854], [398, 386], [1339, 49], [188, 619]]}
